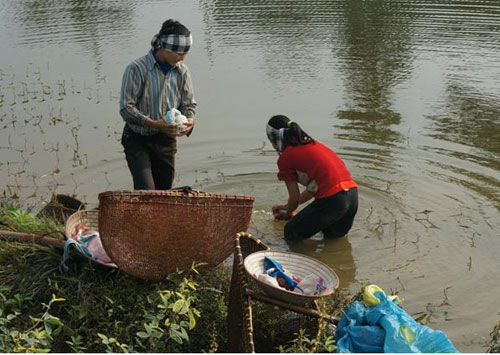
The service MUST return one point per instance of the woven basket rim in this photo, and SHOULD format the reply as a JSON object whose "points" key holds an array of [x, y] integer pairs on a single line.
{"points": [[75, 215], [294, 294], [173, 193], [94, 213]]}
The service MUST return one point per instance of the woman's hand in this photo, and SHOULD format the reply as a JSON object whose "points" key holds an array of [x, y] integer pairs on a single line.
{"points": [[280, 213], [283, 215], [276, 208]]}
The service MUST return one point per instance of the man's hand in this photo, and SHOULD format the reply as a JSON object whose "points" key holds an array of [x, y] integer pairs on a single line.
{"points": [[169, 129], [189, 126]]}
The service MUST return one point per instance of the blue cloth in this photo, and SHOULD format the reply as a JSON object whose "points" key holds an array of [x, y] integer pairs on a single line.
{"points": [[387, 328], [165, 67], [81, 245], [284, 280]]}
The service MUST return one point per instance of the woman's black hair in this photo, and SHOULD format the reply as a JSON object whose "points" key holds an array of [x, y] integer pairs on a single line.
{"points": [[294, 135], [173, 27]]}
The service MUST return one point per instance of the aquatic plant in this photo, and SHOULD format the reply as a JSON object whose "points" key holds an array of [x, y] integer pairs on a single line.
{"points": [[494, 345]]}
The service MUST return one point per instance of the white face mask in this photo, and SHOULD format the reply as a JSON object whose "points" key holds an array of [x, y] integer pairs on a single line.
{"points": [[276, 135]]}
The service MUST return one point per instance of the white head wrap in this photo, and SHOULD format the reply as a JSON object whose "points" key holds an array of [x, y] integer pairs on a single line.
{"points": [[277, 136]]}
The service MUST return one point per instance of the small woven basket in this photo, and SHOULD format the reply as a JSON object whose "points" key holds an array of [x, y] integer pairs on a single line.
{"points": [[61, 207], [89, 218], [150, 234], [299, 266]]}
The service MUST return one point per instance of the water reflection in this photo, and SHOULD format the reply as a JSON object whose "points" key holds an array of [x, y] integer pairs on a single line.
{"points": [[89, 23], [291, 38], [375, 56], [337, 253], [470, 118], [428, 217]]}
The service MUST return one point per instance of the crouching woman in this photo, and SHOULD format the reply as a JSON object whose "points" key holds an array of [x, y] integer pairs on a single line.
{"points": [[325, 177]]}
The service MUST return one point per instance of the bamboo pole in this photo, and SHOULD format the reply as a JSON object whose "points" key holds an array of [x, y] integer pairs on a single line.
{"points": [[308, 311], [30, 238]]}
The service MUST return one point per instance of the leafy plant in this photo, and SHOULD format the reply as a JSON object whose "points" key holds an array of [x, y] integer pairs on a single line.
{"points": [[494, 346], [76, 344], [112, 345], [37, 338], [23, 221], [106, 310], [168, 325]]}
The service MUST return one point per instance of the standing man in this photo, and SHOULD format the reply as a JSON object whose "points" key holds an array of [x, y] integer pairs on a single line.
{"points": [[152, 85]]}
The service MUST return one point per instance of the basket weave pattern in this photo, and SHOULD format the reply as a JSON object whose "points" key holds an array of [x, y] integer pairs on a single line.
{"points": [[239, 316], [150, 234], [298, 265], [89, 218]]}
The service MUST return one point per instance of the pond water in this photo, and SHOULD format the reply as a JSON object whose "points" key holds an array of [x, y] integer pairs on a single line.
{"points": [[407, 92]]}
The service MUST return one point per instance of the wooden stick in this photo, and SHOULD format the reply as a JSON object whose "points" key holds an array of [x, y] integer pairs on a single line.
{"points": [[31, 238], [308, 311]]}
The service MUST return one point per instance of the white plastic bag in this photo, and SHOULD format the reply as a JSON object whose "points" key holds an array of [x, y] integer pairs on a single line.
{"points": [[175, 116], [309, 285], [268, 280]]}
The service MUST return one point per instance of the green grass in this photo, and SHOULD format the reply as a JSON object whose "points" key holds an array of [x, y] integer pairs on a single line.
{"points": [[91, 308], [12, 217]]}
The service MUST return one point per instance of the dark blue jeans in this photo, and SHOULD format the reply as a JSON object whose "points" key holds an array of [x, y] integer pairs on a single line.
{"points": [[332, 215], [151, 159]]}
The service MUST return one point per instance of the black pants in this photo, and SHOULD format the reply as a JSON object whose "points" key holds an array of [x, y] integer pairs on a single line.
{"points": [[332, 215], [151, 159]]}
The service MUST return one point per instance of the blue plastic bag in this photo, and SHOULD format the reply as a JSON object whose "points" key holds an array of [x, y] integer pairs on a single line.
{"points": [[275, 269], [353, 335], [387, 328]]}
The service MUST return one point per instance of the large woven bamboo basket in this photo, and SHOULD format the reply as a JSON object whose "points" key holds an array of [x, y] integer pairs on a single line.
{"points": [[298, 265], [150, 234]]}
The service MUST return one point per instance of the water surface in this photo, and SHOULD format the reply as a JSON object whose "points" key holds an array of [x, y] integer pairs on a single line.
{"points": [[405, 91]]}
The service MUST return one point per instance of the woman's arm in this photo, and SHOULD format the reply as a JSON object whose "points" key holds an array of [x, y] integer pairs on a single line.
{"points": [[287, 211], [305, 196], [293, 196]]}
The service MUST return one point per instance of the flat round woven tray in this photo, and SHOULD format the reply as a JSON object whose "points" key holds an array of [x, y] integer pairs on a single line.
{"points": [[150, 234], [298, 265]]}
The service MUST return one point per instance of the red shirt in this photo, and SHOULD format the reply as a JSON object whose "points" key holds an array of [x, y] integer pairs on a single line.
{"points": [[315, 166]]}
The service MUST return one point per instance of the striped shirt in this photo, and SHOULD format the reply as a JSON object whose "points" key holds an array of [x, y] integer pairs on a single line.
{"points": [[147, 92]]}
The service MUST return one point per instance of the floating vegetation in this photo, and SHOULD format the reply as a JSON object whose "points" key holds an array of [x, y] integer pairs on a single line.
{"points": [[42, 131], [494, 345]]}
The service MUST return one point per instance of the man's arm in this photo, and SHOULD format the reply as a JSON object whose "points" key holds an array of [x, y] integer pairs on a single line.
{"points": [[131, 90], [188, 103]]}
